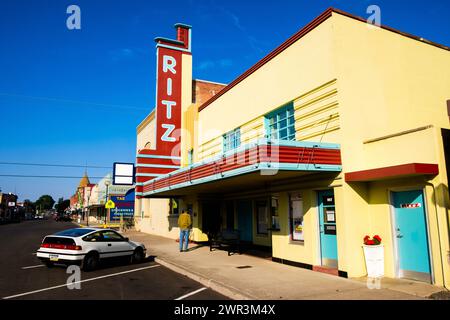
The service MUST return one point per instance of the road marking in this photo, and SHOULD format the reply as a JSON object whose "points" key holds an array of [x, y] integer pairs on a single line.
{"points": [[73, 283], [191, 294], [31, 267]]}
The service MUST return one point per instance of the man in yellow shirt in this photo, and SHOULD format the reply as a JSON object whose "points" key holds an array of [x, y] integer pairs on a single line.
{"points": [[184, 223]]}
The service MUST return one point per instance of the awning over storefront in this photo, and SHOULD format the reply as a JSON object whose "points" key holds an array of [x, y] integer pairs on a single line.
{"points": [[249, 165], [393, 172]]}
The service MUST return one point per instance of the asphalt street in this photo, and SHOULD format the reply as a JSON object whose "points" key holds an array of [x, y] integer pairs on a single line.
{"points": [[22, 276]]}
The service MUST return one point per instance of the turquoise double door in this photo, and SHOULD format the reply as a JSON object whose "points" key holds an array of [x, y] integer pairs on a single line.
{"points": [[328, 230], [410, 232]]}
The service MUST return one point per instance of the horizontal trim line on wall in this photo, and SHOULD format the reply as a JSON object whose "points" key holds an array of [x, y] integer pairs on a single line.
{"points": [[293, 263], [151, 156], [342, 274], [150, 174], [173, 48], [167, 166], [398, 134]]}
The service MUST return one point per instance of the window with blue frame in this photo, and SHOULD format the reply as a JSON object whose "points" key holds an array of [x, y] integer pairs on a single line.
{"points": [[281, 123], [232, 140]]}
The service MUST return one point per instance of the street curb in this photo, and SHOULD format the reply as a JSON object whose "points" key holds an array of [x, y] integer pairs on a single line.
{"points": [[217, 286]]}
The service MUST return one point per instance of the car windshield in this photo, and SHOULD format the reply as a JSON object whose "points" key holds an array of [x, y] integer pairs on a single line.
{"points": [[78, 232]]}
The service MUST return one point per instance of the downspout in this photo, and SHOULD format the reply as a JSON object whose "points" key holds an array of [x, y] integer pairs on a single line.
{"points": [[438, 230]]}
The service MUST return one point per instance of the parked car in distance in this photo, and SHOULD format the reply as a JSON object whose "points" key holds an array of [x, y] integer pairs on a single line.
{"points": [[87, 247], [62, 217]]}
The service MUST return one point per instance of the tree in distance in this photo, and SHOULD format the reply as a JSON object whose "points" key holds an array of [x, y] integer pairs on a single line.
{"points": [[45, 202], [62, 205]]}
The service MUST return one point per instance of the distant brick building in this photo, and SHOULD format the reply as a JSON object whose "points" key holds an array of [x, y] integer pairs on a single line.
{"points": [[202, 90], [77, 201], [8, 207]]}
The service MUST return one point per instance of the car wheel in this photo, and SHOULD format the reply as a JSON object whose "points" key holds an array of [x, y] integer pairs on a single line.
{"points": [[138, 255], [90, 262]]}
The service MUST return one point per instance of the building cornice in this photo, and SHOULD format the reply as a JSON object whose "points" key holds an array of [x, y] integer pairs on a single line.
{"points": [[145, 122], [302, 32]]}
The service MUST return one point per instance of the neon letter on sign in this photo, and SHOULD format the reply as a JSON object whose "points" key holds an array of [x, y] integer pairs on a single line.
{"points": [[169, 63], [169, 105], [169, 128]]}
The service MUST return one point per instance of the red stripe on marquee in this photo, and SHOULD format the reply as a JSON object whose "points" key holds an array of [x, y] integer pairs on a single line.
{"points": [[284, 154]]}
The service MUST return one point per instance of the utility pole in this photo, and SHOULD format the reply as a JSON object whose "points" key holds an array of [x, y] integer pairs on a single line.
{"points": [[88, 209], [107, 182], [121, 220]]}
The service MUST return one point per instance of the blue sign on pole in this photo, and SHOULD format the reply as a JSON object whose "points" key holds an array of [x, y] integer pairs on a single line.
{"points": [[124, 206]]}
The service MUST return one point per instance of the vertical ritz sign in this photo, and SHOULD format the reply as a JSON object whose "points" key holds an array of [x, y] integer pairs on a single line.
{"points": [[168, 101]]}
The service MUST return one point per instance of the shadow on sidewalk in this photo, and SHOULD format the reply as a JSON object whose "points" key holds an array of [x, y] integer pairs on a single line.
{"points": [[257, 251], [198, 246], [245, 248]]}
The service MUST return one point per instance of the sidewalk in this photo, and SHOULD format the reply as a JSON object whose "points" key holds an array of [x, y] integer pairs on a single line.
{"points": [[248, 277]]}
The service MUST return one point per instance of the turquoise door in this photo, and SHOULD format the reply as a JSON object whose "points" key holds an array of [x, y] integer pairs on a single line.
{"points": [[411, 234], [245, 219], [327, 222]]}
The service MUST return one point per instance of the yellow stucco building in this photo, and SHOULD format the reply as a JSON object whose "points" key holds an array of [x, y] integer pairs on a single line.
{"points": [[341, 132]]}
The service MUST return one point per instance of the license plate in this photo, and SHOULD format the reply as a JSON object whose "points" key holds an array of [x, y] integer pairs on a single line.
{"points": [[53, 257]]}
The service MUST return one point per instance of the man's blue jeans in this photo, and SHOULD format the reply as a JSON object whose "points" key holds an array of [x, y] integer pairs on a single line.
{"points": [[184, 238]]}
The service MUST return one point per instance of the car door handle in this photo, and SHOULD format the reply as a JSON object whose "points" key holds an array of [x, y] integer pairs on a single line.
{"points": [[109, 244]]}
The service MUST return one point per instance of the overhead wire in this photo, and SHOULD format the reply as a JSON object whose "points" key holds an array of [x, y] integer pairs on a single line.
{"points": [[116, 106], [54, 165], [50, 176]]}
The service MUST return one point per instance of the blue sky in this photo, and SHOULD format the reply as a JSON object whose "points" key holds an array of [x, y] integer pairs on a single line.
{"points": [[76, 97]]}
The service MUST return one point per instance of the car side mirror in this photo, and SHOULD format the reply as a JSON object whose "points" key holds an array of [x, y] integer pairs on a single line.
{"points": [[126, 239]]}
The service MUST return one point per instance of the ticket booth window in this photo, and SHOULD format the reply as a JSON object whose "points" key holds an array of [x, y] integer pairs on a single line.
{"points": [[296, 217]]}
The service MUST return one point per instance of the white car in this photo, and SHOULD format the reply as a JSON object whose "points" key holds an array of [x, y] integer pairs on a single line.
{"points": [[87, 246]]}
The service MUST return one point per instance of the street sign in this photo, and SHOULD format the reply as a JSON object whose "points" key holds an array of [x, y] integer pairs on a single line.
{"points": [[124, 206], [110, 205], [123, 174]]}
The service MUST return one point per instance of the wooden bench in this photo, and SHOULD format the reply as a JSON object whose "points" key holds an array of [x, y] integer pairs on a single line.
{"points": [[228, 238]]}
